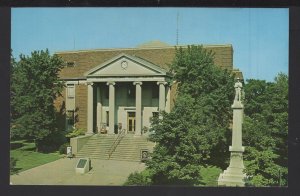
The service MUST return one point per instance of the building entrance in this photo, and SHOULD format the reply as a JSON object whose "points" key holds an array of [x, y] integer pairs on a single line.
{"points": [[131, 122]]}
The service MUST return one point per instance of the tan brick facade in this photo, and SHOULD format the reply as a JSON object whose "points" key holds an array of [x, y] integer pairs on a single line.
{"points": [[81, 106]]}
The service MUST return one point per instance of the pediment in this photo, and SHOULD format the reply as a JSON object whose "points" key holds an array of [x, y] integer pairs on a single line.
{"points": [[126, 65]]}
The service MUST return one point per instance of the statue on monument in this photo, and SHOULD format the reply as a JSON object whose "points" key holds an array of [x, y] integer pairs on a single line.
{"points": [[238, 90]]}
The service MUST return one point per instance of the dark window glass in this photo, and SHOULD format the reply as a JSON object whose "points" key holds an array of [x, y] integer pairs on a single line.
{"points": [[107, 118], [70, 64], [155, 91], [70, 120], [155, 114], [106, 92], [131, 92]]}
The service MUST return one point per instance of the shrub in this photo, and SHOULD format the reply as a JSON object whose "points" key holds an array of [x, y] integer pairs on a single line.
{"points": [[15, 145], [139, 179], [13, 162], [63, 148], [75, 133], [52, 142], [209, 175]]}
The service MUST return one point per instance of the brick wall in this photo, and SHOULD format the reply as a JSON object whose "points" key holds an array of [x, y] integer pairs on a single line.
{"points": [[81, 106]]}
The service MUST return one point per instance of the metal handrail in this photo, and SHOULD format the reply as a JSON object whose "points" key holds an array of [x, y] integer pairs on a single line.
{"points": [[116, 142]]}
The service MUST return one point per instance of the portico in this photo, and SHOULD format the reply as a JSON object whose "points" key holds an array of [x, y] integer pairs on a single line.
{"points": [[123, 93]]}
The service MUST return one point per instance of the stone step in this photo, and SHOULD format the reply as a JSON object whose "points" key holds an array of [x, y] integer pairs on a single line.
{"points": [[125, 159], [114, 157], [99, 147]]}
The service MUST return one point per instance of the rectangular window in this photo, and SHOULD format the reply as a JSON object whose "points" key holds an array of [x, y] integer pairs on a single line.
{"points": [[106, 92], [70, 64], [70, 99], [131, 92], [107, 118], [155, 91], [155, 114], [71, 91], [70, 118]]}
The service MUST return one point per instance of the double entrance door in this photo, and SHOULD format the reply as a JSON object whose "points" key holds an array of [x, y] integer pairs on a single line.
{"points": [[131, 122]]}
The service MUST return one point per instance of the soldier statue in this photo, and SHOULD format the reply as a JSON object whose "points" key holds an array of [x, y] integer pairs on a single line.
{"points": [[238, 90]]}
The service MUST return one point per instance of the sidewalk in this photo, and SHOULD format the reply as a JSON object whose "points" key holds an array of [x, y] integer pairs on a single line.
{"points": [[62, 172]]}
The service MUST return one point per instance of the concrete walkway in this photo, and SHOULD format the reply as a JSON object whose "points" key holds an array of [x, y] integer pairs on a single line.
{"points": [[62, 172]]}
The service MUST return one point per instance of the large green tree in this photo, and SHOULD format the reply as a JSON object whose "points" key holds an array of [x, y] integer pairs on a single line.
{"points": [[34, 87], [265, 131], [197, 128]]}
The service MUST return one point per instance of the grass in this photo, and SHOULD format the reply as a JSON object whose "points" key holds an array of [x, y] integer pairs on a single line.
{"points": [[210, 175], [27, 158]]}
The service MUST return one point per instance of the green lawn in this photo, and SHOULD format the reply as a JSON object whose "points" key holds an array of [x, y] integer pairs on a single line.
{"points": [[210, 175], [27, 157]]}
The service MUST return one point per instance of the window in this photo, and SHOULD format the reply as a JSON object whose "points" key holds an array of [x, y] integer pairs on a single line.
{"points": [[155, 114], [70, 120], [107, 92], [155, 92], [70, 100], [131, 92], [107, 118], [71, 91], [70, 64]]}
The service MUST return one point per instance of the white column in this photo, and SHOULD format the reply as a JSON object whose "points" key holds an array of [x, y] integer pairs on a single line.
{"points": [[99, 108], [90, 109], [168, 102], [138, 106], [162, 95], [111, 107]]}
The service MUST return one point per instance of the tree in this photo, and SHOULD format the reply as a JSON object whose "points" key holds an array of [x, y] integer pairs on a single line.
{"points": [[265, 131], [196, 129], [35, 85]]}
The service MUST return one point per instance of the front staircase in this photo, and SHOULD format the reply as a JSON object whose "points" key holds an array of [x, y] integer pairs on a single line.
{"points": [[128, 149]]}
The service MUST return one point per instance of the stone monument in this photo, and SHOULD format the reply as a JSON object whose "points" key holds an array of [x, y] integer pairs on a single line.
{"points": [[234, 175], [83, 165]]}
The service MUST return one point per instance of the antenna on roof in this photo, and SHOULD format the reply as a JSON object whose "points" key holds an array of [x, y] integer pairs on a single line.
{"points": [[177, 28]]}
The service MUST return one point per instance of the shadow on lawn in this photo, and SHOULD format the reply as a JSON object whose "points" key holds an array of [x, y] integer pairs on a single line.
{"points": [[15, 171], [16, 145]]}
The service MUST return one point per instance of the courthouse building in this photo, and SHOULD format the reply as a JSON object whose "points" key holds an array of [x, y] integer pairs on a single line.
{"points": [[109, 90]]}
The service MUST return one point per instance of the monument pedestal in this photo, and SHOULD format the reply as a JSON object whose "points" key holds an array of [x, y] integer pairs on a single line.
{"points": [[233, 175]]}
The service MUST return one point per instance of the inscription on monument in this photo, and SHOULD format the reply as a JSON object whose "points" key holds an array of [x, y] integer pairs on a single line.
{"points": [[81, 163], [144, 154]]}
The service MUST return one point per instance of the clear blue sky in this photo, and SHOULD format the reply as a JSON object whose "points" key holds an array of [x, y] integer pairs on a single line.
{"points": [[259, 36]]}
